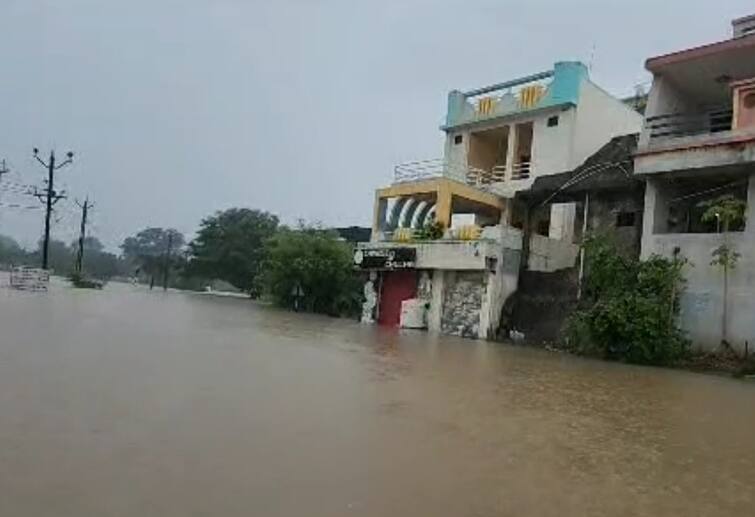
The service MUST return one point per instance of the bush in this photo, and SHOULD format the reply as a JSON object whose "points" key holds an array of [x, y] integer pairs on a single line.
{"points": [[316, 264], [431, 231], [630, 308]]}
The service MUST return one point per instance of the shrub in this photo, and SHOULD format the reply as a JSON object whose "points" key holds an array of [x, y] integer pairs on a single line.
{"points": [[431, 231], [313, 265], [629, 308]]}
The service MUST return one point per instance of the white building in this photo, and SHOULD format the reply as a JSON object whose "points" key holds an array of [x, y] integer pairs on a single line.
{"points": [[500, 138]]}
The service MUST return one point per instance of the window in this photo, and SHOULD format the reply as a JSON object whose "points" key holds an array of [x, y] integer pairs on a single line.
{"points": [[553, 121], [458, 139], [625, 219], [543, 227]]}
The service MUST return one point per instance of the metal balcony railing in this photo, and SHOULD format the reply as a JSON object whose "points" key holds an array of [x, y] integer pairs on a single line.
{"points": [[429, 169], [521, 171], [675, 125], [473, 176]]}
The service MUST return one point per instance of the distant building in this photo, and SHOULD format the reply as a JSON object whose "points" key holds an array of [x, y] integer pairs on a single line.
{"points": [[698, 143], [500, 140]]}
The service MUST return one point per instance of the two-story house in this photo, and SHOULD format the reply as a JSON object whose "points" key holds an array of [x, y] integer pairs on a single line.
{"points": [[698, 144], [499, 139]]}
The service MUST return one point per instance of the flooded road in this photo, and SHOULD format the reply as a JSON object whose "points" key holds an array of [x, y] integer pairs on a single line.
{"points": [[130, 403]]}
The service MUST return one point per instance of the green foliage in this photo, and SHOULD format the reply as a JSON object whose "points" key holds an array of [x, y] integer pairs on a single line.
{"points": [[432, 230], [727, 209], [60, 256], [80, 281], [10, 251], [724, 257], [316, 264], [630, 307], [146, 250], [230, 246]]}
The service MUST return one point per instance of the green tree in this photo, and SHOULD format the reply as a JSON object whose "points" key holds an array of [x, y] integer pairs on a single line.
{"points": [[61, 256], [629, 307], [314, 265], [98, 263], [726, 211], [10, 251], [147, 249], [230, 246]]}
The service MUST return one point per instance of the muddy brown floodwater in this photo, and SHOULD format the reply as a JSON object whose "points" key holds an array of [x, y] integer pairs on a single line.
{"points": [[130, 403]]}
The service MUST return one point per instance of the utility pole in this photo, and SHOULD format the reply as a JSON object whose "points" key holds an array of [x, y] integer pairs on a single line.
{"points": [[166, 266], [82, 233], [3, 169], [49, 197]]}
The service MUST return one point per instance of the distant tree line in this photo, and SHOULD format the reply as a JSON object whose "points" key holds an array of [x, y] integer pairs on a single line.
{"points": [[307, 267], [98, 263]]}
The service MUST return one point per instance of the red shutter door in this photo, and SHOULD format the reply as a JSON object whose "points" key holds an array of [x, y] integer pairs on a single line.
{"points": [[397, 286]]}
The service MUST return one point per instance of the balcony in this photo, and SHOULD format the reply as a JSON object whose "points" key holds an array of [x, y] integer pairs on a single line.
{"points": [[475, 177], [700, 116], [707, 141], [676, 125]]}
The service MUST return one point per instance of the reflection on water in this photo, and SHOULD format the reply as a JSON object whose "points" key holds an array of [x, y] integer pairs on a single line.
{"points": [[125, 402]]}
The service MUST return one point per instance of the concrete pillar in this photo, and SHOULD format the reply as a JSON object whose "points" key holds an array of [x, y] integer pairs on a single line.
{"points": [[511, 151], [655, 217], [456, 102], [488, 299], [443, 206], [378, 217], [435, 312]]}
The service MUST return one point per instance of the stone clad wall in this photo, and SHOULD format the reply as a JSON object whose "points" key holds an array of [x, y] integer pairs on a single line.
{"points": [[462, 303]]}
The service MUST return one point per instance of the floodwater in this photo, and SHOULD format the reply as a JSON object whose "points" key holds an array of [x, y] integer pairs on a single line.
{"points": [[130, 403]]}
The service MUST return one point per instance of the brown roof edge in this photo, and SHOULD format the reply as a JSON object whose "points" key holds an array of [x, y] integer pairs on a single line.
{"points": [[743, 19], [654, 64]]}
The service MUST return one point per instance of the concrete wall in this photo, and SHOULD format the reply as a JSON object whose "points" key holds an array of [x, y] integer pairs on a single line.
{"points": [[599, 117], [552, 146], [562, 219], [664, 98], [456, 154], [462, 303], [698, 152], [551, 254], [500, 285], [702, 300], [604, 208]]}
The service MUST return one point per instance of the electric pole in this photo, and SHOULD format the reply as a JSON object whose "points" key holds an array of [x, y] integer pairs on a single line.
{"points": [[49, 197], [82, 234], [166, 266], [3, 169]]}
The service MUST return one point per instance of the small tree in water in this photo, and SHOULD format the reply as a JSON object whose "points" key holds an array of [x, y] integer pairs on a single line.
{"points": [[725, 211]]}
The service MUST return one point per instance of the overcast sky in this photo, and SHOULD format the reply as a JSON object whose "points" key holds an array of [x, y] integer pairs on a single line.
{"points": [[176, 109]]}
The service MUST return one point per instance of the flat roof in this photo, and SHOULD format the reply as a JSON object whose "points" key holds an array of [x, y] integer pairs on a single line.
{"points": [[655, 64]]}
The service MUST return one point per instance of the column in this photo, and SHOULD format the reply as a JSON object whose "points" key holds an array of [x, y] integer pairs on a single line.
{"points": [[435, 312], [511, 151], [378, 217], [443, 205]]}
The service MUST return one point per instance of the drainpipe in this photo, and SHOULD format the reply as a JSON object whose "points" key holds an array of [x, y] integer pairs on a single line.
{"points": [[582, 248]]}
